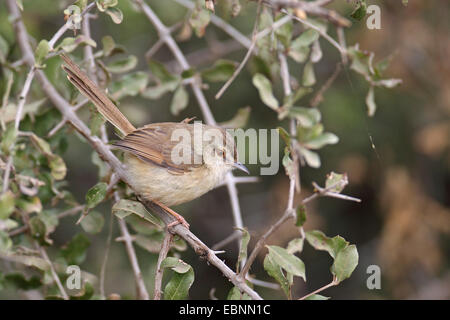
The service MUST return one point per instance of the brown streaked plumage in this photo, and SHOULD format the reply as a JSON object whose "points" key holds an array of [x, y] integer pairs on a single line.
{"points": [[149, 151]]}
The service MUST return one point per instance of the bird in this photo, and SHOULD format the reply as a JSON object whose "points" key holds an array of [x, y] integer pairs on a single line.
{"points": [[152, 152]]}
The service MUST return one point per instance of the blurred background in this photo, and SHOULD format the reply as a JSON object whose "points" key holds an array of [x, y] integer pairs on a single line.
{"points": [[398, 161]]}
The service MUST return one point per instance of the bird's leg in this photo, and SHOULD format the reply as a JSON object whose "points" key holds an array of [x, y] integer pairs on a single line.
{"points": [[179, 219]]}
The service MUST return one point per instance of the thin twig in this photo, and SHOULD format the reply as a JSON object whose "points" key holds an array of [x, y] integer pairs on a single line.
{"points": [[229, 29], [318, 97], [53, 272], [331, 284], [165, 247], [67, 26], [22, 99], [61, 215], [312, 8], [141, 293], [255, 38]]}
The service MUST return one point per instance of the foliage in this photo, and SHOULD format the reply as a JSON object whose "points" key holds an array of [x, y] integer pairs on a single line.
{"points": [[38, 191]]}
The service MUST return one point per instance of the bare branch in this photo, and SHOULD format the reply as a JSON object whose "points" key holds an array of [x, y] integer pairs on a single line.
{"points": [[22, 99], [331, 284], [165, 247], [53, 272], [312, 8], [229, 29]]}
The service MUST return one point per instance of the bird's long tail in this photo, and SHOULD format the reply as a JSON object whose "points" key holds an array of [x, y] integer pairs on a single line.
{"points": [[104, 105]]}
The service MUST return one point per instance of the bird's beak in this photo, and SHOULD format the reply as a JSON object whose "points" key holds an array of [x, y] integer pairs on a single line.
{"points": [[240, 166]]}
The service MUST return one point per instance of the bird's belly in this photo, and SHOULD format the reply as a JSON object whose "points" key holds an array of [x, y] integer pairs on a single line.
{"points": [[158, 184]]}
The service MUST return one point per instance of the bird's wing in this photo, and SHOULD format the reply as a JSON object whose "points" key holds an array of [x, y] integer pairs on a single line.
{"points": [[153, 143]]}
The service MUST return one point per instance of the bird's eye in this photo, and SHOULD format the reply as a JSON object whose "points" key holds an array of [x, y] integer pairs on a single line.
{"points": [[219, 152]]}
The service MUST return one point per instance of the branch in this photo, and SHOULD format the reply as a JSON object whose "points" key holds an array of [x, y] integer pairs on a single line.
{"points": [[140, 287], [63, 214], [67, 26], [53, 272], [22, 99], [334, 282], [165, 247], [312, 8], [217, 21], [105, 153], [255, 38]]}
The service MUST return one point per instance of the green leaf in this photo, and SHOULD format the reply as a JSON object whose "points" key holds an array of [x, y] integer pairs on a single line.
{"points": [[288, 164], [49, 218], [177, 265], [19, 281], [160, 71], [189, 73], [180, 101], [295, 96], [96, 120], [41, 52], [311, 158], [129, 85], [222, 70], [6, 204], [235, 294], [103, 5], [299, 54], [295, 245], [122, 65], [9, 224], [96, 194], [115, 14], [158, 91], [274, 270], [93, 222], [305, 39], [85, 293], [345, 262], [200, 19], [239, 120], [360, 10], [339, 181], [243, 246], [124, 208], [388, 83], [178, 286], [361, 61], [321, 140], [108, 45], [8, 139], [309, 78], [301, 215], [69, 44], [38, 231], [287, 261], [4, 49], [370, 102], [306, 117], [285, 136], [58, 167], [75, 251], [317, 297], [284, 33], [318, 240], [5, 241], [265, 91]]}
